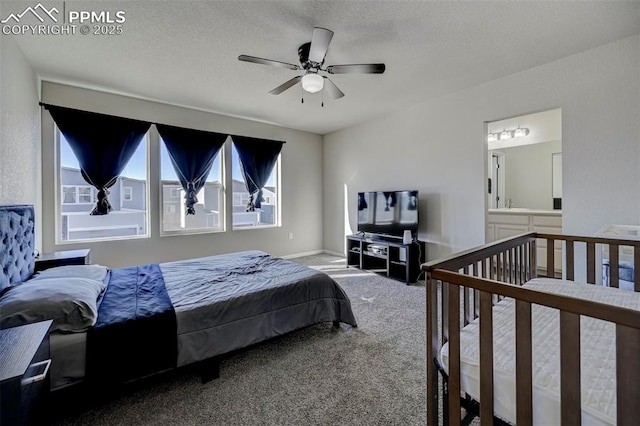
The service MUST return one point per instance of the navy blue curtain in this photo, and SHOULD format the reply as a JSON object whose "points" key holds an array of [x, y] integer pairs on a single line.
{"points": [[192, 154], [257, 159], [103, 145]]}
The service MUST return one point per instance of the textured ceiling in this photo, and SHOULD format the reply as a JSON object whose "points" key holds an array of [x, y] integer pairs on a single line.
{"points": [[185, 52]]}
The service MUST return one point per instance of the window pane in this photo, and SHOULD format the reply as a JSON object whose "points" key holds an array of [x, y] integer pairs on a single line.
{"points": [[127, 193], [267, 215], [209, 208], [69, 194], [85, 194], [78, 199]]}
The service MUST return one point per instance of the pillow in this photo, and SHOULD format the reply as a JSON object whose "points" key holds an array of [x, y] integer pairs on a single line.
{"points": [[92, 272], [69, 302]]}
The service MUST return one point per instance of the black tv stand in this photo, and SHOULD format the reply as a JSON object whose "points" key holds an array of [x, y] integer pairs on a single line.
{"points": [[389, 257]]}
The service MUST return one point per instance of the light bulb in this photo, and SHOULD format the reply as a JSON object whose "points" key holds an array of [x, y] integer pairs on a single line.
{"points": [[312, 82], [505, 135], [520, 132]]}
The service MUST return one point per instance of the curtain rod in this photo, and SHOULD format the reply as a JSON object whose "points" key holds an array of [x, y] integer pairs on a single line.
{"points": [[46, 106]]}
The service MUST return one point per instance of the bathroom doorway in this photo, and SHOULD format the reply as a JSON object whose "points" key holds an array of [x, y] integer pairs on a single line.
{"points": [[496, 179]]}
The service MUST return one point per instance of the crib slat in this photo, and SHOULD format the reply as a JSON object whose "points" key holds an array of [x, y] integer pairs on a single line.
{"points": [[454, 354], [445, 311], [432, 351], [511, 262], [614, 266], [486, 359], [570, 259], [466, 305], [523, 364], [636, 268], [533, 256], [591, 263], [570, 368], [476, 293], [627, 373], [551, 267], [521, 264]]}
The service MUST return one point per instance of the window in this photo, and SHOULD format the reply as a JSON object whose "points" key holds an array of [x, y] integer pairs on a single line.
{"points": [[85, 195], [78, 194], [127, 193], [268, 213], [209, 216], [77, 198]]}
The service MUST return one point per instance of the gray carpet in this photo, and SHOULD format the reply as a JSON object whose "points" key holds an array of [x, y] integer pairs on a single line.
{"points": [[371, 375]]}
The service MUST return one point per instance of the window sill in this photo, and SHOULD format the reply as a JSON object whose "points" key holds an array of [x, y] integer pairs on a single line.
{"points": [[98, 240], [190, 232], [249, 228]]}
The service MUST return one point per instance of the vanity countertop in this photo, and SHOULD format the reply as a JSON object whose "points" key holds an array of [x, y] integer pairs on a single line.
{"points": [[523, 211]]}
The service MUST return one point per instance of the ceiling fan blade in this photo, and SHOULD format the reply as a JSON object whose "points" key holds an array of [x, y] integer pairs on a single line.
{"points": [[356, 69], [271, 62], [286, 85], [332, 89], [319, 44]]}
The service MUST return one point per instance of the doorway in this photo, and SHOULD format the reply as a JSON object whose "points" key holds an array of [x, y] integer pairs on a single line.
{"points": [[496, 180]]}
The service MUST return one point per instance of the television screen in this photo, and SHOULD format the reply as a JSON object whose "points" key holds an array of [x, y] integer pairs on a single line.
{"points": [[388, 212]]}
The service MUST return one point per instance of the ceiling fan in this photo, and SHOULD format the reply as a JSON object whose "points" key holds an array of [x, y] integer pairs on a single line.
{"points": [[312, 56]]}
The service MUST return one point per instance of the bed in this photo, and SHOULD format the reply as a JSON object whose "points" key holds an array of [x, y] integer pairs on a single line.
{"points": [[127, 323], [511, 345]]}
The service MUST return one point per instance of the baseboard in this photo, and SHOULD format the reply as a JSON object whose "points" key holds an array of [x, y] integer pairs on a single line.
{"points": [[333, 253], [306, 253], [311, 253]]}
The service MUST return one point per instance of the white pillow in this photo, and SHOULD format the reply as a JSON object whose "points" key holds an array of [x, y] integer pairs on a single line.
{"points": [[70, 302], [92, 272]]}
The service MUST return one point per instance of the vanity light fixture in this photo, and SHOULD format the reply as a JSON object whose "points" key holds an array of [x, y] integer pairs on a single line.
{"points": [[518, 132]]}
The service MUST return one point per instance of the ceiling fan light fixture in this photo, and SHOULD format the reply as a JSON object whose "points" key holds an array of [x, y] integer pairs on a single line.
{"points": [[312, 83]]}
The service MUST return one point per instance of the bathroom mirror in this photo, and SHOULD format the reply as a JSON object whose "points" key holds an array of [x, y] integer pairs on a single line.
{"points": [[525, 162]]}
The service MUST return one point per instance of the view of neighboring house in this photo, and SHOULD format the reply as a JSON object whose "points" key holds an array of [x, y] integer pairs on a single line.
{"points": [[128, 198]]}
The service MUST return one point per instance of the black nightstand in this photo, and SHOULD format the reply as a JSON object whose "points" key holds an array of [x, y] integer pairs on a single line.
{"points": [[24, 371], [62, 258]]}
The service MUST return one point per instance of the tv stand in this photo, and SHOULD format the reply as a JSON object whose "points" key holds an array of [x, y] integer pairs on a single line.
{"points": [[391, 258]]}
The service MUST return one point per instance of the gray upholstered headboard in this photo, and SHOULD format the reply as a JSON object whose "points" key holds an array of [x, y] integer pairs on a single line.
{"points": [[17, 254]]}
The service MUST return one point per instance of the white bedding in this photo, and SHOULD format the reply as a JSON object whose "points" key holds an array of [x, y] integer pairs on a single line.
{"points": [[597, 340]]}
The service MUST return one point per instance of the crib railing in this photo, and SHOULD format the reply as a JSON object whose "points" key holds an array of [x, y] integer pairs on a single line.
{"points": [[472, 281]]}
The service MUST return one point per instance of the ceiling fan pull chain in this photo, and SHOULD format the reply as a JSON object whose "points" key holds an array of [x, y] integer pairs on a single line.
{"points": [[302, 95], [322, 104]]}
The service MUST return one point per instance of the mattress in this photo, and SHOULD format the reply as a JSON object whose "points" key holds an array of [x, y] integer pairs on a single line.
{"points": [[597, 364], [232, 301]]}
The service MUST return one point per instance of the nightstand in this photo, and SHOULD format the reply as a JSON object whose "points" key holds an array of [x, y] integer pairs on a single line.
{"points": [[24, 371], [62, 258]]}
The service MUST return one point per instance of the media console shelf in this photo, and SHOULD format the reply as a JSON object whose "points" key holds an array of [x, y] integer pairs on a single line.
{"points": [[393, 259]]}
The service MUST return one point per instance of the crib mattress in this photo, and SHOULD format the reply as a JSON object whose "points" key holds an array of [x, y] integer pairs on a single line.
{"points": [[597, 365]]}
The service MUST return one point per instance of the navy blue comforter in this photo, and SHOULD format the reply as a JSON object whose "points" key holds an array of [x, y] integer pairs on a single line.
{"points": [[135, 334]]}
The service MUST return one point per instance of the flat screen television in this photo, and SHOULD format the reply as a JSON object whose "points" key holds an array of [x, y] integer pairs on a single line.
{"points": [[388, 212]]}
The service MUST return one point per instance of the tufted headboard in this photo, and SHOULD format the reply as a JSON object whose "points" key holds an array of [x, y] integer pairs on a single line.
{"points": [[17, 254]]}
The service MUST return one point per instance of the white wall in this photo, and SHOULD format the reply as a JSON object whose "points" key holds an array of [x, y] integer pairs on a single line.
{"points": [[439, 148], [19, 131], [301, 183]]}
